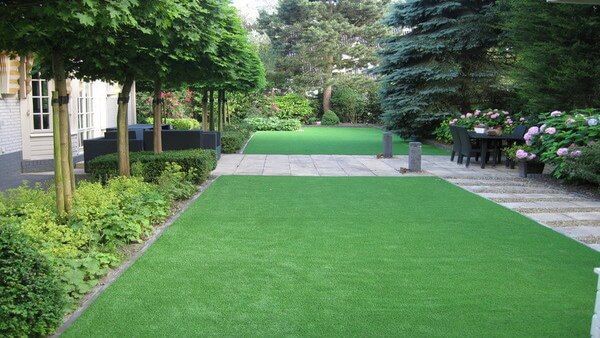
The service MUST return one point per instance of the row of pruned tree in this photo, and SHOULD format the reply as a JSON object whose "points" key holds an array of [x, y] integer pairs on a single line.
{"points": [[157, 43]]}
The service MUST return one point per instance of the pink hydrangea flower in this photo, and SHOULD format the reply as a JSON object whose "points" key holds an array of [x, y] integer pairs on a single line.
{"points": [[521, 154], [469, 115], [494, 116], [462, 116], [562, 152], [556, 113], [576, 153], [533, 130], [527, 136], [477, 112], [550, 131], [505, 112], [531, 157]]}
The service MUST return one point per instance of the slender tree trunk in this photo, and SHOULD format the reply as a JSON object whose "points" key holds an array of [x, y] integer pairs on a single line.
{"points": [[122, 128], [58, 180], [60, 79], [327, 91], [157, 109], [226, 107], [221, 106], [211, 118], [205, 109]]}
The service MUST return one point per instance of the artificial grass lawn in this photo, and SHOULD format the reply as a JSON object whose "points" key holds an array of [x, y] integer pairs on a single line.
{"points": [[279, 256], [328, 141]]}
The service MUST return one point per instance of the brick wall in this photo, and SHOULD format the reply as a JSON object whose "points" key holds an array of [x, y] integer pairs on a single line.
{"points": [[10, 125]]}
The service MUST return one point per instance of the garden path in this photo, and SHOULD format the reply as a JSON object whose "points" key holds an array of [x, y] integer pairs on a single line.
{"points": [[571, 214]]}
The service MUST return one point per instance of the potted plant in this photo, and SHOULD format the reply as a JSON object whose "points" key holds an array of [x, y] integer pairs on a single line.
{"points": [[526, 159], [480, 128]]}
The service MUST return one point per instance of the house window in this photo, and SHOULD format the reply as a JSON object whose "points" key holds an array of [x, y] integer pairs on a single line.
{"points": [[41, 104], [85, 113]]}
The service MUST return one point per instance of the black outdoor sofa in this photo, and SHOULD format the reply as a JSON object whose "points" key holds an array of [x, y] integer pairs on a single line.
{"points": [[141, 139]]}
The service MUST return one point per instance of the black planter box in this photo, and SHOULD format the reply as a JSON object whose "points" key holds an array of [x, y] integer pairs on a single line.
{"points": [[530, 167]]}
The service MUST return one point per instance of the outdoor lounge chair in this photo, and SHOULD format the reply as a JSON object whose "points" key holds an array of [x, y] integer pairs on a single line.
{"points": [[455, 144]]}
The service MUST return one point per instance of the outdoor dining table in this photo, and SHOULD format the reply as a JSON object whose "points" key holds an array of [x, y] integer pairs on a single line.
{"points": [[486, 139]]}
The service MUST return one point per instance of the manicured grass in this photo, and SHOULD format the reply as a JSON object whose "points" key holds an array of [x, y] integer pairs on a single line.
{"points": [[280, 256], [328, 141]]}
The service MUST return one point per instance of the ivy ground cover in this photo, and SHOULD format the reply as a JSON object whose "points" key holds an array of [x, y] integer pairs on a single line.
{"points": [[328, 141], [317, 256]]}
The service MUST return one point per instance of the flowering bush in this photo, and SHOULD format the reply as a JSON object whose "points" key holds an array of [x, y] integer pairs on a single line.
{"points": [[562, 136], [492, 118], [521, 153]]}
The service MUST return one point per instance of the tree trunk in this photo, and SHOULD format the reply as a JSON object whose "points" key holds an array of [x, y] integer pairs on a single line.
{"points": [[66, 159], [58, 181], [327, 97], [205, 109], [211, 118], [156, 109], [221, 110], [122, 128], [226, 107]]}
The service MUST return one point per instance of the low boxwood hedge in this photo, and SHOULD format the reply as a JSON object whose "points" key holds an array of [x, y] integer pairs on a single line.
{"points": [[232, 141], [149, 165]]}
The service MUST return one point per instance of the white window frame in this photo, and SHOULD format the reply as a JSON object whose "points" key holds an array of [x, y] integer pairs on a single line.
{"points": [[37, 104], [85, 113]]}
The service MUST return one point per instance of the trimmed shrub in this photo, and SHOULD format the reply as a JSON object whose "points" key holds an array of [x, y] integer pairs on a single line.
{"points": [[330, 119], [149, 165], [293, 106], [273, 123], [184, 124], [232, 141], [179, 124], [31, 296]]}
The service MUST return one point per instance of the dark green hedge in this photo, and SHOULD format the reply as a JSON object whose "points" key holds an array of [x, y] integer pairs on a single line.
{"points": [[149, 165], [31, 295], [232, 141]]}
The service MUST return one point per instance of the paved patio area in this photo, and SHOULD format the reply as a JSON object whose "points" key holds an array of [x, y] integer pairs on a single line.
{"points": [[571, 214]]}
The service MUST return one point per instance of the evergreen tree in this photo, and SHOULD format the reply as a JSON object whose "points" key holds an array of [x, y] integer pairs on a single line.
{"points": [[436, 62], [556, 50], [315, 39]]}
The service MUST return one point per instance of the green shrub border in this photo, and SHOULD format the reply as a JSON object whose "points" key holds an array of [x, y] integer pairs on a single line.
{"points": [[198, 161]]}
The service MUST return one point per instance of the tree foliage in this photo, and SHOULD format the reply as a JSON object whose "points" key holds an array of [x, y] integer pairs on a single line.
{"points": [[436, 61], [316, 39], [556, 50]]}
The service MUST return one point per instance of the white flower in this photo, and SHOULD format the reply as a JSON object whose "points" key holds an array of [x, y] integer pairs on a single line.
{"points": [[592, 122]]}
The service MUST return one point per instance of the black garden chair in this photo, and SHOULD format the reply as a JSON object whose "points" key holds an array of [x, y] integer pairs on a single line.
{"points": [[469, 149]]}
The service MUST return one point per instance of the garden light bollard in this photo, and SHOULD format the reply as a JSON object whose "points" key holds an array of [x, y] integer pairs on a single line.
{"points": [[414, 156], [387, 145], [595, 331]]}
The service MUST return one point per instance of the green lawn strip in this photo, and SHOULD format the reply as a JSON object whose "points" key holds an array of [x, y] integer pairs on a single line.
{"points": [[280, 256], [328, 141]]}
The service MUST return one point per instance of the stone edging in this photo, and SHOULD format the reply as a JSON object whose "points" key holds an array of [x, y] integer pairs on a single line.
{"points": [[543, 224], [241, 151], [114, 274]]}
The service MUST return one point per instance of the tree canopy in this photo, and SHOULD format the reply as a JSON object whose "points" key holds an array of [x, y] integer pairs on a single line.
{"points": [[556, 53], [437, 61], [317, 39]]}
